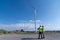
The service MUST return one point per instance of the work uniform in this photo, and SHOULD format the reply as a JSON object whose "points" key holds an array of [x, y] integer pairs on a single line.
{"points": [[41, 30]]}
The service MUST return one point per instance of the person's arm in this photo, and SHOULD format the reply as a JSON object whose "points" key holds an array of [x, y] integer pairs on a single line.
{"points": [[38, 29]]}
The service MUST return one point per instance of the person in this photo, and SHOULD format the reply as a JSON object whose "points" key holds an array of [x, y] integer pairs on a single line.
{"points": [[41, 32]]}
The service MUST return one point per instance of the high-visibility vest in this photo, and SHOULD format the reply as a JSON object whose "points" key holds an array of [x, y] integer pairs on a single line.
{"points": [[40, 29]]}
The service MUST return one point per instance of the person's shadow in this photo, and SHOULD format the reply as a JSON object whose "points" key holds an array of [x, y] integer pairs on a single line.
{"points": [[30, 39]]}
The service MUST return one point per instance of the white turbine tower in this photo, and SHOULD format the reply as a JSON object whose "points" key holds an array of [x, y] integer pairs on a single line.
{"points": [[35, 18]]}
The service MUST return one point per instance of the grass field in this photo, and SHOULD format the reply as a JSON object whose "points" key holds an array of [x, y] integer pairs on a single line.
{"points": [[26, 32]]}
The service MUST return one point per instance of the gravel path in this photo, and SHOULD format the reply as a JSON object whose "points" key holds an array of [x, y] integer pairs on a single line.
{"points": [[28, 37]]}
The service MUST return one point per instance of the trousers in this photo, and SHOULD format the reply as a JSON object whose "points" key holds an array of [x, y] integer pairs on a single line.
{"points": [[41, 35]]}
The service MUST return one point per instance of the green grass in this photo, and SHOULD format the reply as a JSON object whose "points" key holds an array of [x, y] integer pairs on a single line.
{"points": [[26, 32]]}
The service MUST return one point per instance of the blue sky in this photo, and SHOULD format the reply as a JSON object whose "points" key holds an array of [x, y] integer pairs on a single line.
{"points": [[13, 14]]}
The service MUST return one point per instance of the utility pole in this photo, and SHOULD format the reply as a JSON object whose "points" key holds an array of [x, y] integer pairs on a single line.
{"points": [[35, 18]]}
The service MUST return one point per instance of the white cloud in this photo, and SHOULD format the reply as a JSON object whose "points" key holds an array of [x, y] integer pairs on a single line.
{"points": [[36, 21], [17, 26], [28, 26], [52, 27]]}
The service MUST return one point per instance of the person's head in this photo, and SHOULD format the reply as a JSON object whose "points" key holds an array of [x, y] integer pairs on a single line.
{"points": [[42, 26]]}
